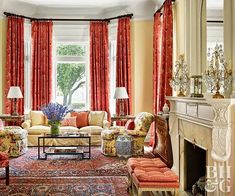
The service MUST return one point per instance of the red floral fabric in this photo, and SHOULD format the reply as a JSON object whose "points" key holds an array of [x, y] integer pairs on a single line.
{"points": [[41, 90], [123, 62], [99, 66], [162, 57], [14, 61]]}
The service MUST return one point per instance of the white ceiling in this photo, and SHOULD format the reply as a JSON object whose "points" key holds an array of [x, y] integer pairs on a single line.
{"points": [[215, 4], [81, 8], [82, 3]]}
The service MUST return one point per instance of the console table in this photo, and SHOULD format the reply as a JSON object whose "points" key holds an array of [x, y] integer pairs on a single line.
{"points": [[121, 118], [14, 119]]}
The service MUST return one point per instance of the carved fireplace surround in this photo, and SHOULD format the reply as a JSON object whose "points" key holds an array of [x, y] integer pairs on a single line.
{"points": [[210, 125]]}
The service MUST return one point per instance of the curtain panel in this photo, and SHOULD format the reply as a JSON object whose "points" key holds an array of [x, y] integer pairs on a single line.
{"points": [[14, 72], [162, 55], [123, 62], [162, 59], [41, 88], [99, 66]]}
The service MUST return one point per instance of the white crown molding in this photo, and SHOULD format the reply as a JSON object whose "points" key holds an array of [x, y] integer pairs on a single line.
{"points": [[143, 10]]}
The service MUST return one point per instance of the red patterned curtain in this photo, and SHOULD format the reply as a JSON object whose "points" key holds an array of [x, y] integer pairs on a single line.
{"points": [[123, 62], [14, 61], [99, 66], [41, 63], [162, 55], [162, 58]]}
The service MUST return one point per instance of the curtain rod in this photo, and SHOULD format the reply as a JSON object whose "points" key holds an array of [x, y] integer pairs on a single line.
{"points": [[69, 19], [160, 8], [215, 21]]}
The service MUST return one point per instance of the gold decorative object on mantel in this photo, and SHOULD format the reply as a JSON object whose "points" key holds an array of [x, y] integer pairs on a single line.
{"points": [[196, 86], [180, 77], [218, 75]]}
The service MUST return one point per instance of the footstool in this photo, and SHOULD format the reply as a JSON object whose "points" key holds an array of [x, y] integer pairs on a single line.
{"points": [[132, 163], [154, 179], [13, 140], [108, 142]]}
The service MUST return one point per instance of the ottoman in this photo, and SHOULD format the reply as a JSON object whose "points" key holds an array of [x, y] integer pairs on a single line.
{"points": [[154, 179], [133, 163], [13, 140], [108, 142]]}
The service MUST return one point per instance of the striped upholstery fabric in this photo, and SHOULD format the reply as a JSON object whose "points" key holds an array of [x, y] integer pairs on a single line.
{"points": [[153, 174], [145, 162], [154, 184]]}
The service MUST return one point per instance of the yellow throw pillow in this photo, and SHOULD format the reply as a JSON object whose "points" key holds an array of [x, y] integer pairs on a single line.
{"points": [[96, 118], [37, 118]]}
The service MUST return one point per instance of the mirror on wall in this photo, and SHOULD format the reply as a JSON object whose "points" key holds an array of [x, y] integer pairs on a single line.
{"points": [[215, 22]]}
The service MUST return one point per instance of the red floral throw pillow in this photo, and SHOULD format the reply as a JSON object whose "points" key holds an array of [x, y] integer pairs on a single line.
{"points": [[130, 125], [69, 121]]}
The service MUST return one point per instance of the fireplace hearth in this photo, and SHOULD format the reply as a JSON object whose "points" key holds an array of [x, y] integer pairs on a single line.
{"points": [[195, 168]]}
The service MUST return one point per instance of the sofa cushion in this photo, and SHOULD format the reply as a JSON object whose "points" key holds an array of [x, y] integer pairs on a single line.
{"points": [[68, 129], [96, 118], [38, 130], [69, 121], [93, 130], [82, 118], [37, 118]]}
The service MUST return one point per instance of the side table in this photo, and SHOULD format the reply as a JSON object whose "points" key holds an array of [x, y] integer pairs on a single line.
{"points": [[16, 120], [124, 146], [121, 118]]}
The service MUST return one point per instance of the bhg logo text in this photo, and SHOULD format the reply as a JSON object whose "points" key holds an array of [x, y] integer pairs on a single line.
{"points": [[218, 177]]}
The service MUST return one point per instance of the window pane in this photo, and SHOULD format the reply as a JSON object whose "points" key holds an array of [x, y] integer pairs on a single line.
{"points": [[71, 85], [70, 50]]}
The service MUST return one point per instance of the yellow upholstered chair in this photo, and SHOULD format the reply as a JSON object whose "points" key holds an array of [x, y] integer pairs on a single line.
{"points": [[142, 124]]}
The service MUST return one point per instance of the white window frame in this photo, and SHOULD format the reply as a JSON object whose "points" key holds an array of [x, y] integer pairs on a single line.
{"points": [[71, 59], [27, 68]]}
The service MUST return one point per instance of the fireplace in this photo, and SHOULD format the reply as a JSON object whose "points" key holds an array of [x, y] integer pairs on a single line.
{"points": [[210, 125], [195, 166]]}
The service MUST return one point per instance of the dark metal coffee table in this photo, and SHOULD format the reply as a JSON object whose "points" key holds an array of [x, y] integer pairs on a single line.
{"points": [[83, 150]]}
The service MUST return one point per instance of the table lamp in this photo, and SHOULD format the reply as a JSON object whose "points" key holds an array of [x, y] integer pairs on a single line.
{"points": [[14, 93], [121, 93]]}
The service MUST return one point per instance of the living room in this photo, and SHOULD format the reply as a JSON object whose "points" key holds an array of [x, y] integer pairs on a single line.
{"points": [[98, 82]]}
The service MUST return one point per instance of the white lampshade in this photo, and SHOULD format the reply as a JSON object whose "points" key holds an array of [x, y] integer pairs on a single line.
{"points": [[14, 92], [120, 93]]}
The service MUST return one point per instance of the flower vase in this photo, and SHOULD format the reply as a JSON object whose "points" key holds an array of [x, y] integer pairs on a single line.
{"points": [[55, 127]]}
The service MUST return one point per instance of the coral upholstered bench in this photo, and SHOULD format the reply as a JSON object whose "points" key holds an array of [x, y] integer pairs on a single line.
{"points": [[154, 179]]}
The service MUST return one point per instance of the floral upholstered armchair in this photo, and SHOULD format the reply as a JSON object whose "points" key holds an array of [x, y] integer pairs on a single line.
{"points": [[13, 141], [142, 124]]}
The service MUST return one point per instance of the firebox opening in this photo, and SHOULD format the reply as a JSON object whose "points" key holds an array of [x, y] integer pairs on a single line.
{"points": [[195, 165]]}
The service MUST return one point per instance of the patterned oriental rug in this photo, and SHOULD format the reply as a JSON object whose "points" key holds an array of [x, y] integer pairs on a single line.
{"points": [[65, 176]]}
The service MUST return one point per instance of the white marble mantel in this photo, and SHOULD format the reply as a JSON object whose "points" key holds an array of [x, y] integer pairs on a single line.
{"points": [[209, 124]]}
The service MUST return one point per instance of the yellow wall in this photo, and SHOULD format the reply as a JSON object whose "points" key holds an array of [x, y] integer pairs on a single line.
{"points": [[3, 28], [142, 63]]}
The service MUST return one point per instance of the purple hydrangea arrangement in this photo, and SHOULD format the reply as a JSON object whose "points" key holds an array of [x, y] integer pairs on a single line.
{"points": [[55, 113]]}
